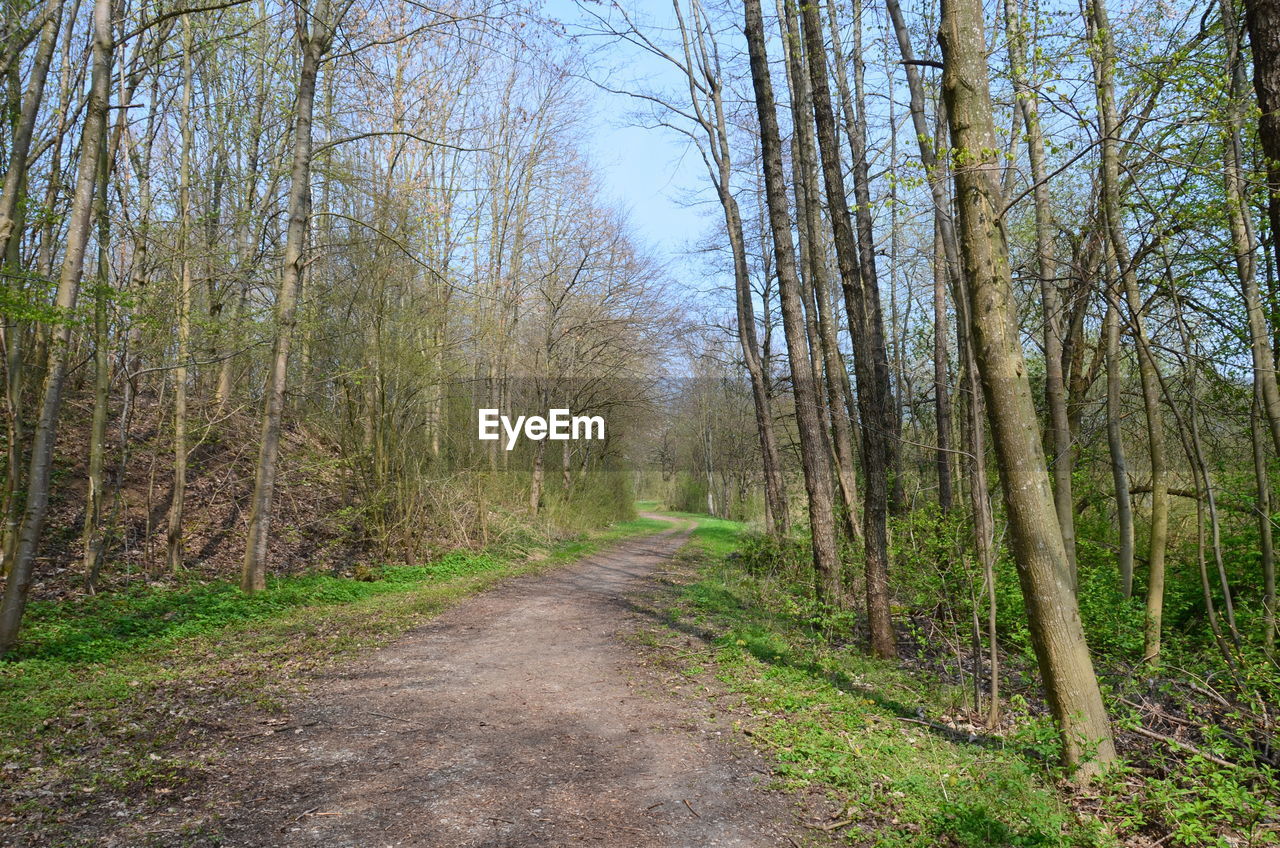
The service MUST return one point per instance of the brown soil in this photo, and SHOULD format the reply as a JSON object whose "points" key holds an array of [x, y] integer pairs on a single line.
{"points": [[521, 717]]}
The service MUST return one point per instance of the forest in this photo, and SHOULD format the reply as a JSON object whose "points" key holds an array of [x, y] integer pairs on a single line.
{"points": [[976, 352]]}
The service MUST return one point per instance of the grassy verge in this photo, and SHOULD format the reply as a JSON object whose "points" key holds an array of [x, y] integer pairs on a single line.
{"points": [[883, 744], [108, 700]]}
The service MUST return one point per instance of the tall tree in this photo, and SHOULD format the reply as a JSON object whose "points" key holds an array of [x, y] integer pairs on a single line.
{"points": [[58, 353], [1148, 369], [1043, 570], [813, 451], [174, 549], [871, 364], [1055, 387], [315, 28]]}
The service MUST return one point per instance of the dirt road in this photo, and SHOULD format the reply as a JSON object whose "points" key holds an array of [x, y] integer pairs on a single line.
{"points": [[520, 717]]}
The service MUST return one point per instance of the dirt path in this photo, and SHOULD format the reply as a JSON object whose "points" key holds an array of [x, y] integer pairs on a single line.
{"points": [[520, 717]]}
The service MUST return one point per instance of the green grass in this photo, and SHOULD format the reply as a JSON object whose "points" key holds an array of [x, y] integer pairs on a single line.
{"points": [[834, 718]]}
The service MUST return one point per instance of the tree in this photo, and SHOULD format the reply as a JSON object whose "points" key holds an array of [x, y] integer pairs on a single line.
{"points": [[871, 364], [1043, 569], [58, 353], [813, 448], [315, 29]]}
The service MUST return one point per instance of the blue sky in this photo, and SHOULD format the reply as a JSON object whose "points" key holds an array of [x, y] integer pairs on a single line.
{"points": [[652, 172]]}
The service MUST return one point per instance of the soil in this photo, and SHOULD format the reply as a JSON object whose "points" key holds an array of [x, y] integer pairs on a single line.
{"points": [[523, 716]]}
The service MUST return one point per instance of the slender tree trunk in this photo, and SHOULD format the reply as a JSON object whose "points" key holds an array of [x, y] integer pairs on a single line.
{"points": [[11, 217], [20, 147], [174, 548], [1046, 269], [817, 473], [93, 134], [536, 478], [813, 257], [315, 32], [1244, 240], [979, 491], [941, 392], [864, 236], [246, 235], [1190, 429], [1148, 371], [1115, 444], [775, 488], [871, 364], [91, 536], [1262, 19], [1264, 528], [1043, 570]]}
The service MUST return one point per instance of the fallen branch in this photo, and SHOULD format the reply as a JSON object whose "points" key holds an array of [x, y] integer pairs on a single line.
{"points": [[1185, 746]]}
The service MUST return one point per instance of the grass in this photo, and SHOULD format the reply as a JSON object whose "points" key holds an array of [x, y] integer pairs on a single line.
{"points": [[879, 741], [106, 692]]}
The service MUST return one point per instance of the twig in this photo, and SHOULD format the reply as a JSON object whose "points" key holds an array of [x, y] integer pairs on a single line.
{"points": [[833, 826], [690, 806], [397, 718], [1178, 743]]}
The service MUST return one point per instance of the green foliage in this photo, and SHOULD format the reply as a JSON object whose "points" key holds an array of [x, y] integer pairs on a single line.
{"points": [[101, 627]]}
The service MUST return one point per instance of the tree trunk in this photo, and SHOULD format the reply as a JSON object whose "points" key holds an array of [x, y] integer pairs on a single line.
{"points": [[315, 31], [91, 536], [941, 392], [979, 491], [1115, 445], [12, 331], [1263, 509], [1262, 19], [1043, 571], [817, 473], [1046, 269], [20, 146], [1244, 240], [77, 239], [1148, 371], [813, 257], [174, 547], [871, 364]]}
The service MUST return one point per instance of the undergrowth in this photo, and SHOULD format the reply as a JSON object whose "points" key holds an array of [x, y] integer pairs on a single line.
{"points": [[880, 741], [894, 743]]}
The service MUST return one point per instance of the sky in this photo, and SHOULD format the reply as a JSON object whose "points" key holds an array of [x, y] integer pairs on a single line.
{"points": [[653, 173]]}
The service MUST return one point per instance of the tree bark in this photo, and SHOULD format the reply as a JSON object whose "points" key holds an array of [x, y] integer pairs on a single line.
{"points": [[941, 390], [315, 33], [92, 135], [174, 546], [1046, 269], [814, 273], [1043, 571], [871, 364], [1115, 445], [1148, 370], [91, 536], [1262, 19], [715, 125], [1263, 510], [20, 146], [817, 473], [1244, 239]]}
